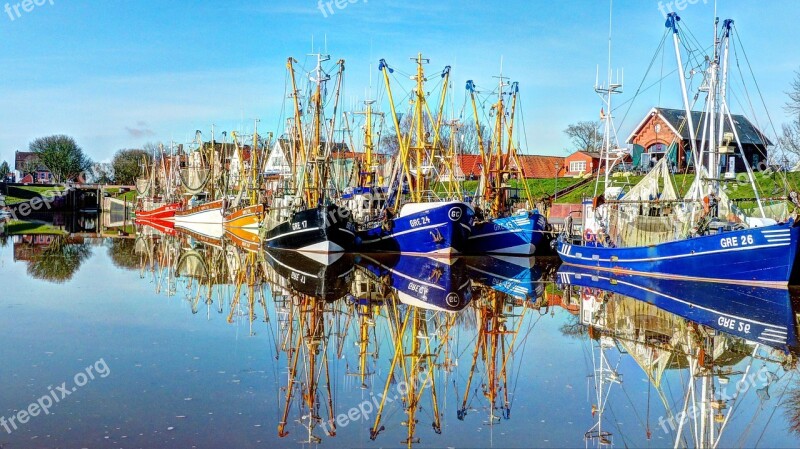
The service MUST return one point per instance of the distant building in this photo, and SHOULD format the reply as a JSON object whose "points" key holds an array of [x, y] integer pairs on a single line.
{"points": [[31, 171], [580, 163], [665, 133], [541, 167], [470, 167]]}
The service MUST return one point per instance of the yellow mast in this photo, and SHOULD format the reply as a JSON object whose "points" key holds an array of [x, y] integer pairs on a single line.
{"points": [[403, 150], [298, 126], [419, 125]]}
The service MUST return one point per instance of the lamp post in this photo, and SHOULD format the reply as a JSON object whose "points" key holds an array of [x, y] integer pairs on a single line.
{"points": [[555, 189]]}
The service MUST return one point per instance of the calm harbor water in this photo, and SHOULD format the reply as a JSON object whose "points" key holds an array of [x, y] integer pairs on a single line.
{"points": [[166, 341]]}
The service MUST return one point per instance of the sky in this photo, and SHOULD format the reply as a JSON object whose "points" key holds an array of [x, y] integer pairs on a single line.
{"points": [[118, 74]]}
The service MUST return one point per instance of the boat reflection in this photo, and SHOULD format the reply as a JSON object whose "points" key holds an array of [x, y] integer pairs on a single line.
{"points": [[390, 331], [723, 345]]}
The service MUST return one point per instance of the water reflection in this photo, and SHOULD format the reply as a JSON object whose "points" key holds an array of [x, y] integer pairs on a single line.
{"points": [[53, 258], [370, 351], [725, 345]]}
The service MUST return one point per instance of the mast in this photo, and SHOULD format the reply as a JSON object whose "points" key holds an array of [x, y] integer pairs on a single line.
{"points": [[368, 179], [672, 22], [297, 132]]}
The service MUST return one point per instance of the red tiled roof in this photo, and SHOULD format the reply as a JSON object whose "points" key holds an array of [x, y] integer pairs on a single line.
{"points": [[534, 166], [470, 164]]}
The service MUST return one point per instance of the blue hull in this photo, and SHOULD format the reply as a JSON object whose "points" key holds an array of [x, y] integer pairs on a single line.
{"points": [[442, 229], [422, 282], [754, 313], [521, 281], [758, 256], [518, 235]]}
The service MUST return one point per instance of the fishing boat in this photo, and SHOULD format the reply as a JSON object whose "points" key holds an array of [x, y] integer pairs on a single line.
{"points": [[421, 342], [202, 211], [155, 189], [704, 236], [504, 224], [413, 219], [759, 314], [302, 216], [702, 374], [309, 277], [421, 281], [518, 277], [166, 227], [245, 212]]}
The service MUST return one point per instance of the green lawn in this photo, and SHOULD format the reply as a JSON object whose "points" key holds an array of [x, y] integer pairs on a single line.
{"points": [[19, 227], [769, 185], [20, 194]]}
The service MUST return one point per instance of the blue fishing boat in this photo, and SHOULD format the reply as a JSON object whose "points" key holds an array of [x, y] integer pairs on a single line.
{"points": [[760, 314], [413, 219], [703, 236], [757, 256], [421, 281], [505, 225], [431, 229], [518, 277], [516, 235]]}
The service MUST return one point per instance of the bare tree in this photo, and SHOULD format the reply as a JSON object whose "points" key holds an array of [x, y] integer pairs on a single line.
{"points": [[585, 136], [789, 140], [793, 105]]}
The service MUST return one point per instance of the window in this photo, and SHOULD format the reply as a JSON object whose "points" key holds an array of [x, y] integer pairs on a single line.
{"points": [[577, 166]]}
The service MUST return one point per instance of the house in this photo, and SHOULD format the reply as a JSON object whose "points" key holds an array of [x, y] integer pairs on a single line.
{"points": [[30, 169], [466, 167], [470, 166], [665, 133], [541, 167], [581, 162]]}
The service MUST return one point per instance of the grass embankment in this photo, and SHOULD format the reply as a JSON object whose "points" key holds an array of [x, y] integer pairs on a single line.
{"points": [[769, 185], [19, 227], [20, 194], [537, 187]]}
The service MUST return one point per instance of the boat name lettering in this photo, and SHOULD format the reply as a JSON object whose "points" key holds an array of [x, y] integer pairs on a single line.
{"points": [[730, 323], [421, 221], [298, 277], [421, 289], [731, 242], [299, 225]]}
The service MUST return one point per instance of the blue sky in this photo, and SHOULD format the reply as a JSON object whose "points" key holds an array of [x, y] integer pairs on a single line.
{"points": [[117, 74]]}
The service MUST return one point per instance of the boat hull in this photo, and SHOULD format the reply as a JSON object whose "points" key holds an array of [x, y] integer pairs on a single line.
{"points": [[163, 212], [165, 227], [753, 313], [248, 217], [430, 284], [325, 229], [306, 276], [520, 277], [439, 230], [207, 213], [756, 256], [518, 235]]}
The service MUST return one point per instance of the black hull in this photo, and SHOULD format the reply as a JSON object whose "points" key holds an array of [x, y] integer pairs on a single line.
{"points": [[324, 229], [311, 278]]}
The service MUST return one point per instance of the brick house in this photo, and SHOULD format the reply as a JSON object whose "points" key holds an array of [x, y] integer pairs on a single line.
{"points": [[581, 162], [24, 161], [665, 133]]}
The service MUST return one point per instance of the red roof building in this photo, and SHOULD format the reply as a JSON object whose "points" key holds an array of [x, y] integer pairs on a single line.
{"points": [[541, 167]]}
